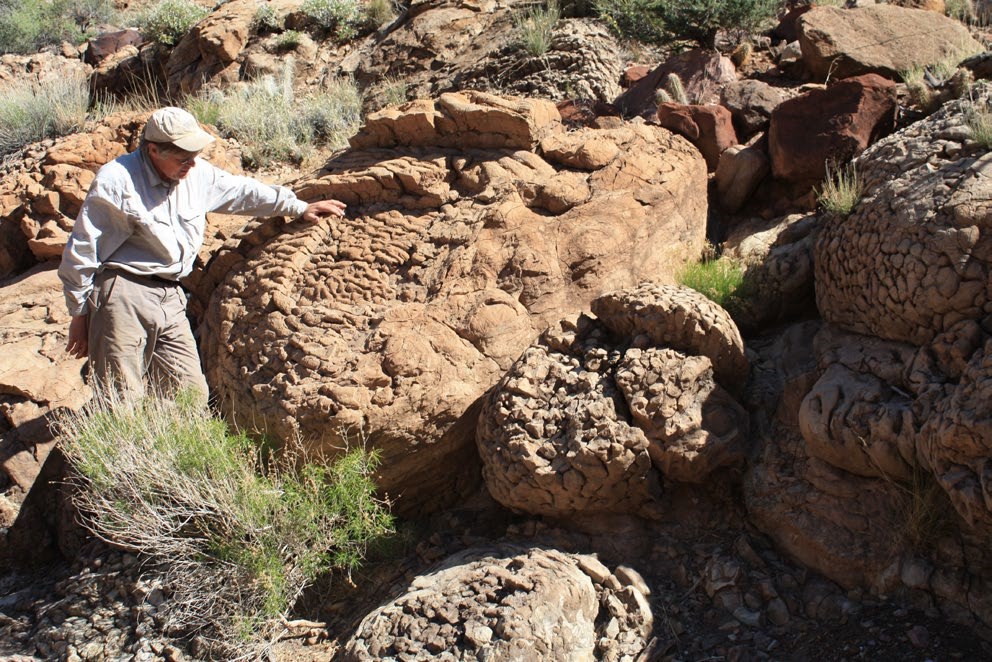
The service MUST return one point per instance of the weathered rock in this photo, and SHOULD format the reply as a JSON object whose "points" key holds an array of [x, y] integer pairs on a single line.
{"points": [[703, 74], [709, 128], [912, 260], [740, 171], [578, 421], [107, 44], [751, 103], [882, 39], [451, 261], [209, 51], [506, 602], [829, 125]]}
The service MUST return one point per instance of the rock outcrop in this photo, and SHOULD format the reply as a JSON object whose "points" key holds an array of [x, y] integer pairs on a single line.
{"points": [[882, 39], [509, 602], [481, 225], [582, 420]]}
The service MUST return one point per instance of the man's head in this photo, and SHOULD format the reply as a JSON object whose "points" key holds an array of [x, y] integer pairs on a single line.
{"points": [[173, 138]]}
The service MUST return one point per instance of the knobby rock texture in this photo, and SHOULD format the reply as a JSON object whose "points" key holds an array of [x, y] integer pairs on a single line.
{"points": [[586, 419], [474, 223], [509, 602]]}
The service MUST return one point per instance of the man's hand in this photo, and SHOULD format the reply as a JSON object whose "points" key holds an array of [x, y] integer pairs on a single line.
{"points": [[317, 210], [79, 330]]}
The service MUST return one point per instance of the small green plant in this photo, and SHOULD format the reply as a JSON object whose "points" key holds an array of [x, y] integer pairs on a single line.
{"points": [[535, 27], [29, 113], [168, 21], [701, 20], [288, 40], [379, 12], [390, 91], [273, 125], [265, 20], [631, 19], [960, 10], [237, 531], [978, 119], [343, 17], [27, 26], [720, 280], [673, 85], [842, 189]]}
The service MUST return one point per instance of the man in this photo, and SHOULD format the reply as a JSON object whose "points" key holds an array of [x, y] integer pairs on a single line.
{"points": [[137, 234]]}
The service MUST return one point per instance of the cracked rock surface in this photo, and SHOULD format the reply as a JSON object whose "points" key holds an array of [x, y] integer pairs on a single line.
{"points": [[586, 419]]}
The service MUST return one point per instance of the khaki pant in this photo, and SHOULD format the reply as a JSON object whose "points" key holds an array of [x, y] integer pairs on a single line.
{"points": [[138, 331]]}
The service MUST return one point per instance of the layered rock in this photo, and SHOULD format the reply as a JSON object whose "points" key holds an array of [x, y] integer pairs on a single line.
{"points": [[882, 39], [509, 602], [583, 422], [396, 319]]}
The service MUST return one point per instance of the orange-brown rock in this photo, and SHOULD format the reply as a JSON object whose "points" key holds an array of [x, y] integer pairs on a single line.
{"points": [[709, 128], [392, 322], [703, 74]]}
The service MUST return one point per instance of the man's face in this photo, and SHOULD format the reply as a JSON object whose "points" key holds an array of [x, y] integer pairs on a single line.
{"points": [[171, 163]]}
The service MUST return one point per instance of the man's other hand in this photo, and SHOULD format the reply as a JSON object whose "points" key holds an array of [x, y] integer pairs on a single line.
{"points": [[79, 328], [317, 210]]}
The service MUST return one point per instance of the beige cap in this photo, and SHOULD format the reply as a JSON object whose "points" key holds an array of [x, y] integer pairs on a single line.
{"points": [[176, 126]]}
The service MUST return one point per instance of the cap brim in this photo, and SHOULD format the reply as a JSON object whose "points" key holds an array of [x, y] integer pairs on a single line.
{"points": [[194, 142]]}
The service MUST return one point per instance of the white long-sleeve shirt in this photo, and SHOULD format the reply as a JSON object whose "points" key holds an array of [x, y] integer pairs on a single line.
{"points": [[134, 220]]}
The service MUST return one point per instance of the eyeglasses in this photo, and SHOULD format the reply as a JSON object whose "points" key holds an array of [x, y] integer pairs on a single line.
{"points": [[181, 157]]}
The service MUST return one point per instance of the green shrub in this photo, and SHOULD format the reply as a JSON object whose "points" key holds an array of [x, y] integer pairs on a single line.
{"points": [[168, 21], [842, 189], [379, 12], [29, 113], [27, 26], [960, 10], [535, 27], [265, 20], [978, 119], [272, 125], [343, 17], [631, 19], [238, 533], [390, 91], [288, 40], [701, 20], [720, 280]]}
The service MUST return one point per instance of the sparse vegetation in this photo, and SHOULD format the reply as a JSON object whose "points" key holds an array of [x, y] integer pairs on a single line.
{"points": [[720, 280], [390, 91], [342, 17], [701, 20], [535, 27], [631, 19], [379, 12], [272, 125], [673, 85], [842, 189], [978, 118], [288, 40], [27, 26], [238, 533], [29, 113], [960, 10], [168, 21], [265, 20]]}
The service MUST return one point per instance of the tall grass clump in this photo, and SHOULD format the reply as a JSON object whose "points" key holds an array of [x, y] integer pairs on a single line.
{"points": [[535, 27], [978, 119], [27, 26], [168, 21], [29, 113], [236, 534], [273, 125], [720, 280], [841, 190]]}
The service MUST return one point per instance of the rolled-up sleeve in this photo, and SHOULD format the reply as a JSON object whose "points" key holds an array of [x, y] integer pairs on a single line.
{"points": [[99, 230], [233, 194]]}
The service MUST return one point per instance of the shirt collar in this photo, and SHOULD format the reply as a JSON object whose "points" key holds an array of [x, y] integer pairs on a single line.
{"points": [[151, 174]]}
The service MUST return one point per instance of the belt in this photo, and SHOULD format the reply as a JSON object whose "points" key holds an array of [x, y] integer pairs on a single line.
{"points": [[158, 280]]}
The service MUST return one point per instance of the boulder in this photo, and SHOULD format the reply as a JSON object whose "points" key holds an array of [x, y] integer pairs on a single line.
{"points": [[508, 602], [741, 169], [709, 128], [912, 259], [582, 421], [703, 73], [751, 103], [882, 39], [829, 125], [107, 44], [452, 259], [209, 51]]}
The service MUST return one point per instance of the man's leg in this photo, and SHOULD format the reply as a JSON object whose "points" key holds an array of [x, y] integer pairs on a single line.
{"points": [[175, 361], [118, 333]]}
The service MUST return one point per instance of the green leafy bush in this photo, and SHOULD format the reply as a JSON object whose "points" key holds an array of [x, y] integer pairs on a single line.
{"points": [[841, 190], [29, 113], [701, 20], [535, 27], [631, 19], [265, 20], [379, 12], [237, 533], [343, 17], [168, 21], [272, 125], [289, 40], [27, 26], [720, 280]]}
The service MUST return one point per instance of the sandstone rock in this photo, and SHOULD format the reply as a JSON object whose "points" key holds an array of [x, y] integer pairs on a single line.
{"points": [[505, 602], [751, 103], [703, 74], [451, 261], [738, 174], [883, 39], [707, 127], [833, 124], [912, 260], [107, 44], [210, 49], [577, 423]]}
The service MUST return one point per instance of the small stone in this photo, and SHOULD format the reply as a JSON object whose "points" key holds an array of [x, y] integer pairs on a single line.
{"points": [[172, 654], [748, 617], [778, 612], [478, 634], [630, 577], [918, 636]]}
